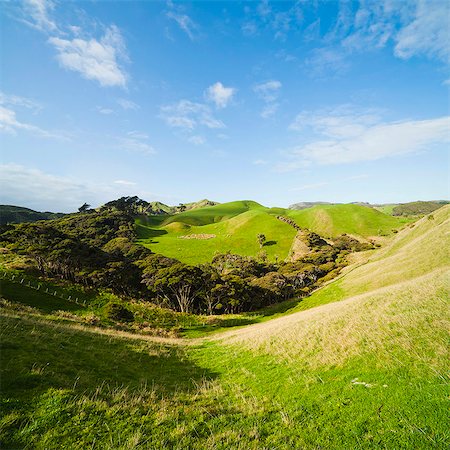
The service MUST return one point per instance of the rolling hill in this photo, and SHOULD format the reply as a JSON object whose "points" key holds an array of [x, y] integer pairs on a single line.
{"points": [[359, 364], [19, 214], [195, 236]]}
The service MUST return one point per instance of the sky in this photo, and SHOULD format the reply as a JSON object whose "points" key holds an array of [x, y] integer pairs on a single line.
{"points": [[278, 102]]}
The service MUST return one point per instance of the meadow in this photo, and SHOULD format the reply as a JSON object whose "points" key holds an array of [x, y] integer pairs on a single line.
{"points": [[361, 363], [236, 225]]}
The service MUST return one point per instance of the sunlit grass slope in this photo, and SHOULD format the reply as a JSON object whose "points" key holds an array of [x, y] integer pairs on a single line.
{"points": [[235, 227], [332, 220], [365, 372]]}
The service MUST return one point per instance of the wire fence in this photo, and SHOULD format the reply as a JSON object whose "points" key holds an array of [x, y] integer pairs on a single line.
{"points": [[32, 284]]}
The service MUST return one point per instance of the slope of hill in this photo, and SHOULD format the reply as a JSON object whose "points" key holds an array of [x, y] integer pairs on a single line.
{"points": [[418, 255], [18, 214], [195, 236], [364, 372], [332, 220]]}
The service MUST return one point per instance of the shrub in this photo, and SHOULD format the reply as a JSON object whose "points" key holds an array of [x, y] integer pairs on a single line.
{"points": [[117, 312]]}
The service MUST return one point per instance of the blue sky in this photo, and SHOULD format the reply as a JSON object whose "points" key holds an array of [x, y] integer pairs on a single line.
{"points": [[278, 102]]}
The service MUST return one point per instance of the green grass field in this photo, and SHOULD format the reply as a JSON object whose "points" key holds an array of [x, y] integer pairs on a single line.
{"points": [[361, 364], [235, 227]]}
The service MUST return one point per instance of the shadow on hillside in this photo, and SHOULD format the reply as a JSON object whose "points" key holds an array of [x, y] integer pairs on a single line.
{"points": [[46, 303], [144, 232], [279, 308], [269, 243], [36, 356]]}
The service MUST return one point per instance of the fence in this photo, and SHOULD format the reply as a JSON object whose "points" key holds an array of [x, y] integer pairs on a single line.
{"points": [[22, 280]]}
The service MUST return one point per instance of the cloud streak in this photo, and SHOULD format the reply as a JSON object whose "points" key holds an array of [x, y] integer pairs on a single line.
{"points": [[9, 123], [343, 137], [189, 115]]}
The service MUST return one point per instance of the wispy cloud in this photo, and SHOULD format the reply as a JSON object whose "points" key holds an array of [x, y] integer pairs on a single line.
{"points": [[33, 188], [189, 115], [327, 61], [98, 60], [260, 162], [269, 92], [15, 100], [125, 183], [43, 191], [414, 28], [272, 18], [197, 140], [347, 137], [9, 123], [37, 14], [185, 23], [135, 141], [105, 111], [219, 94], [427, 34], [128, 104]]}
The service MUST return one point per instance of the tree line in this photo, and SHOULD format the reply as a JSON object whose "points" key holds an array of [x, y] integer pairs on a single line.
{"points": [[96, 249]]}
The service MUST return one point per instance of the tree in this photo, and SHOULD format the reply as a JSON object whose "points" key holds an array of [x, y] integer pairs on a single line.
{"points": [[179, 285], [261, 240], [83, 208]]}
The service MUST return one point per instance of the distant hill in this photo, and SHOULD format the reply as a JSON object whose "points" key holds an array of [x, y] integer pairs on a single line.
{"points": [[18, 214], [161, 208], [195, 236], [417, 208]]}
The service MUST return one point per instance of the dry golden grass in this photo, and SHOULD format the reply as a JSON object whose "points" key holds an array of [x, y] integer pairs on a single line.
{"points": [[393, 308], [384, 323]]}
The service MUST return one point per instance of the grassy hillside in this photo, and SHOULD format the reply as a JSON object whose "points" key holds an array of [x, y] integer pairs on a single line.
{"points": [[18, 214], [332, 220], [365, 372], [233, 227]]}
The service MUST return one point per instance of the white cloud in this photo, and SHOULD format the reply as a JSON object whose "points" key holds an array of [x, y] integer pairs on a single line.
{"points": [[326, 61], [35, 189], [268, 92], [269, 110], [260, 162], [93, 59], [427, 34], [185, 23], [189, 115], [197, 140], [10, 124], [127, 104], [137, 135], [219, 94], [136, 142], [105, 111], [342, 137], [125, 183], [38, 12], [15, 100], [415, 28]]}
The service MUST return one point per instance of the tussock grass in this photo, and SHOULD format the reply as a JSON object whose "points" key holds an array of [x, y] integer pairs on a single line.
{"points": [[407, 323]]}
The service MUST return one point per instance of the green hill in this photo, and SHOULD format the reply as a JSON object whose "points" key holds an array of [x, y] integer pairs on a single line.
{"points": [[18, 214], [332, 220], [195, 236], [362, 364]]}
